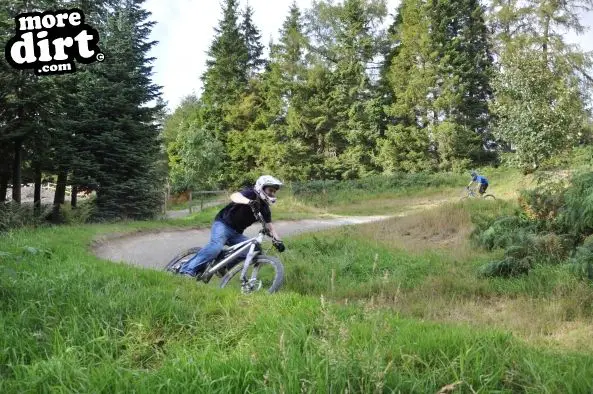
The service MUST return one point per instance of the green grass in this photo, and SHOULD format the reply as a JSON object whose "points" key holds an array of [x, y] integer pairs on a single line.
{"points": [[394, 306], [70, 322]]}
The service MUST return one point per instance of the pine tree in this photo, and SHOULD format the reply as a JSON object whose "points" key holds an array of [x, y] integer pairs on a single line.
{"points": [[252, 38], [412, 75], [28, 100], [346, 41], [463, 62], [126, 146], [225, 79]]}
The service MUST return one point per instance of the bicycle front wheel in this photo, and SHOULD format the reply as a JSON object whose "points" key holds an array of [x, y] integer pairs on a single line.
{"points": [[264, 272], [489, 197]]}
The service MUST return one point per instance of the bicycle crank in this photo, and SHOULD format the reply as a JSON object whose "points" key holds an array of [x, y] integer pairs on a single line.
{"points": [[250, 286]]}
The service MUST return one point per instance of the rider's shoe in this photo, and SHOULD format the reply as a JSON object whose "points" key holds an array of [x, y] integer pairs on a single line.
{"points": [[186, 275]]}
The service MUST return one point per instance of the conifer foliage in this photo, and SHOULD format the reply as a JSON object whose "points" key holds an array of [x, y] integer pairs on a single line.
{"points": [[96, 129]]}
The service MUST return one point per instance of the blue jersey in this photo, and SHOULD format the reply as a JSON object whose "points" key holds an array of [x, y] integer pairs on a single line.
{"points": [[480, 179]]}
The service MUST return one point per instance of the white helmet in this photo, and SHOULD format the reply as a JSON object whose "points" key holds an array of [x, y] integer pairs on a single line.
{"points": [[263, 181]]}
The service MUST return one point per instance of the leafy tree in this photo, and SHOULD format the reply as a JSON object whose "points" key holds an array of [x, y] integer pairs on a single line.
{"points": [[542, 83], [197, 165], [538, 111]]}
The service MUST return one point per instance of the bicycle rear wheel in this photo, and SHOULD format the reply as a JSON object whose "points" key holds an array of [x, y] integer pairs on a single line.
{"points": [[489, 197], [269, 273], [178, 261]]}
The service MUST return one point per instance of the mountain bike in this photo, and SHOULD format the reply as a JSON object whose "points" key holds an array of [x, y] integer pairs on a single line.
{"points": [[471, 193], [227, 264]]}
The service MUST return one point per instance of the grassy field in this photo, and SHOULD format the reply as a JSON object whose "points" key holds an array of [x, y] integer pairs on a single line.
{"points": [[394, 306]]}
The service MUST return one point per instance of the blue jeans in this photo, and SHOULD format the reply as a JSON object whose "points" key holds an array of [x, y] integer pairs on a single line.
{"points": [[220, 236]]}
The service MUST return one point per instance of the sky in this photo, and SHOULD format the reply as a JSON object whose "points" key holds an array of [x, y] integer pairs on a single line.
{"points": [[185, 29]]}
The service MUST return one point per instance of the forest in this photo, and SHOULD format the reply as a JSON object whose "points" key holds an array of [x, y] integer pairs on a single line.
{"points": [[350, 89]]}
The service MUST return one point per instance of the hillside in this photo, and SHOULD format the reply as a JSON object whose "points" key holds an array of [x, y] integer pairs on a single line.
{"points": [[392, 305]]}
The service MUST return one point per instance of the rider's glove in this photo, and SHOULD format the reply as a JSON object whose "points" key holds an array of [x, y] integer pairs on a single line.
{"points": [[279, 245], [254, 204]]}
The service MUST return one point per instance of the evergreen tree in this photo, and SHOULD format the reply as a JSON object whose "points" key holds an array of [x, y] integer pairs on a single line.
{"points": [[127, 148], [463, 62], [412, 75], [28, 101], [252, 38], [347, 38], [225, 78]]}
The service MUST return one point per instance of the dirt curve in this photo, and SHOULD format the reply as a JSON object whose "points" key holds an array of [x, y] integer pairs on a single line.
{"points": [[155, 249]]}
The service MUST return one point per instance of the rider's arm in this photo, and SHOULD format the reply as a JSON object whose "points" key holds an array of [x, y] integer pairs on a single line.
{"points": [[239, 198], [273, 231]]}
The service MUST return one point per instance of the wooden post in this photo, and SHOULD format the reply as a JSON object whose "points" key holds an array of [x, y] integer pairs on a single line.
{"points": [[190, 200], [167, 194], [201, 201]]}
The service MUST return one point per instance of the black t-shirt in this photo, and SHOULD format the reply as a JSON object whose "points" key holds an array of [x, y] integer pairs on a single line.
{"points": [[240, 216]]}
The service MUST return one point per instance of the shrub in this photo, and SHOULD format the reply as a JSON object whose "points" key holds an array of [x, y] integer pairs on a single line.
{"points": [[548, 226], [503, 232], [13, 216], [380, 183], [576, 216], [82, 214], [582, 262]]}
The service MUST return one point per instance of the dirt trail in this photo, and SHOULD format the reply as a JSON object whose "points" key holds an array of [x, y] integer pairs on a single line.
{"points": [[154, 250]]}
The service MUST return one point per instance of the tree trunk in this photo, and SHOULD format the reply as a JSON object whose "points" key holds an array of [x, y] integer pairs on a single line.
{"points": [[37, 193], [190, 201], [4, 176], [74, 196], [60, 195], [546, 39], [16, 171]]}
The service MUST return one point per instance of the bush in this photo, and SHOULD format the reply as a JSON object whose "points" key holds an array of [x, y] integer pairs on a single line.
{"points": [[576, 216], [13, 216], [582, 262], [581, 156], [503, 232], [528, 250], [82, 214], [540, 205], [552, 221], [506, 268]]}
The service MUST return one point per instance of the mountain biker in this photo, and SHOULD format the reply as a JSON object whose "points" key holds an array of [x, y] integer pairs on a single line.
{"points": [[481, 180], [232, 220]]}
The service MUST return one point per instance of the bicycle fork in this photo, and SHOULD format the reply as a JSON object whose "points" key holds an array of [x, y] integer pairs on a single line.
{"points": [[248, 260]]}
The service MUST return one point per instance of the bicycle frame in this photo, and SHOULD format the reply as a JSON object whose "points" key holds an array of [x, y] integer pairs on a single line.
{"points": [[236, 250], [471, 192], [241, 247]]}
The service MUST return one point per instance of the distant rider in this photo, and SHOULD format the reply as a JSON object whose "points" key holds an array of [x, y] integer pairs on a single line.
{"points": [[482, 181]]}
